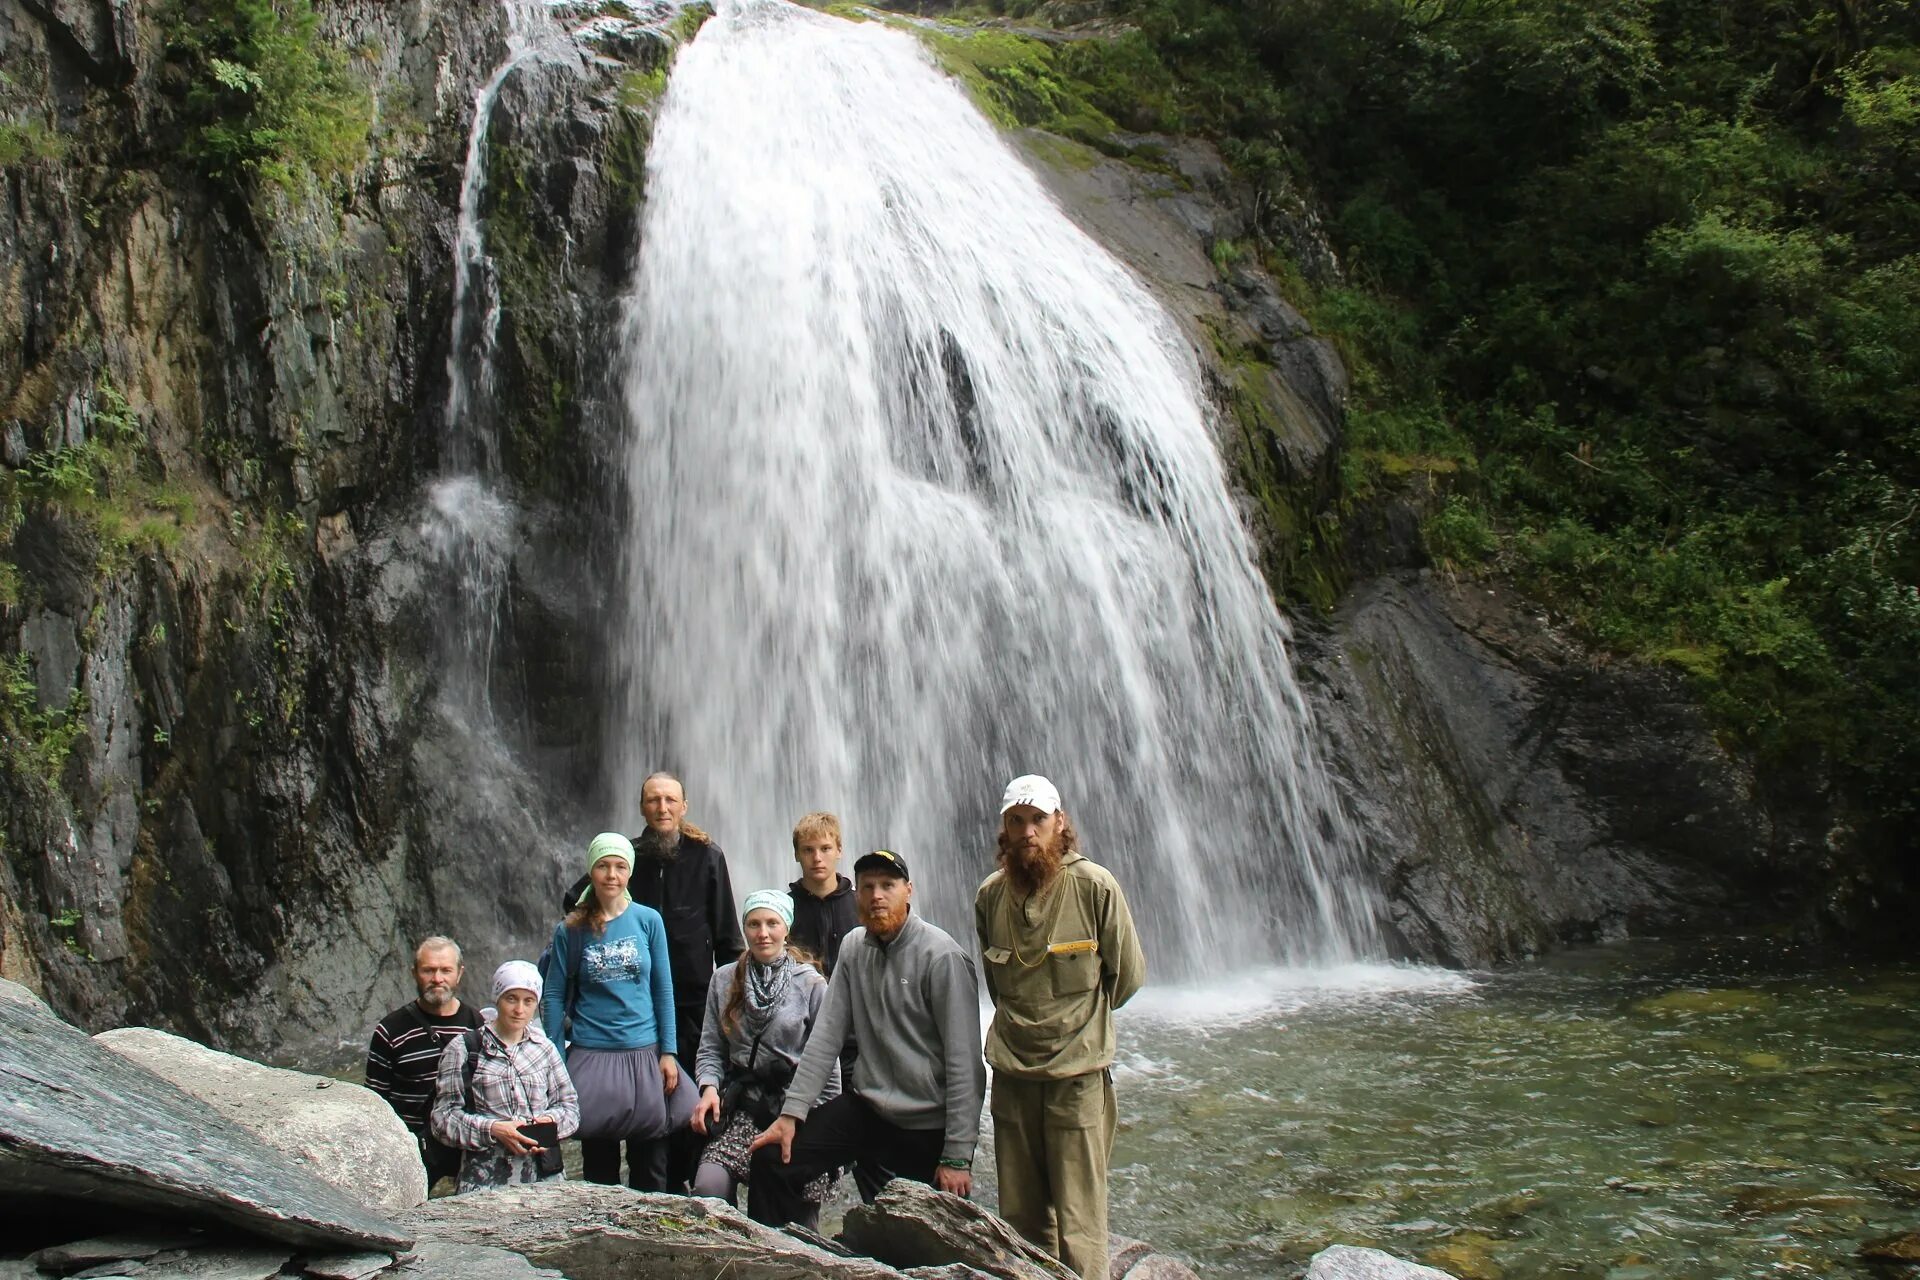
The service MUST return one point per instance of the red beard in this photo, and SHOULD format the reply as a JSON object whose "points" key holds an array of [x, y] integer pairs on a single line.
{"points": [[884, 923], [1032, 870]]}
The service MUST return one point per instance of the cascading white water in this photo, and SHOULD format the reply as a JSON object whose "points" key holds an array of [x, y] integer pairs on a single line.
{"points": [[470, 522], [923, 496]]}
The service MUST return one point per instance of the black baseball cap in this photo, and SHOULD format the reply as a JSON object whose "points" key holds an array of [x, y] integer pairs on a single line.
{"points": [[882, 860]]}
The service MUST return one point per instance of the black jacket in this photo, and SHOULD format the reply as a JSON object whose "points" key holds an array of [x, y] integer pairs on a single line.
{"points": [[694, 895], [820, 923]]}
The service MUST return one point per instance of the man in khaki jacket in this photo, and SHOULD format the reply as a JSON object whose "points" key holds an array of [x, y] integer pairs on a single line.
{"points": [[1061, 955]]}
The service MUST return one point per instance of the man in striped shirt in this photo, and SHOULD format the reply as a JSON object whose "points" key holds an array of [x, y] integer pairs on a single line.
{"points": [[404, 1056]]}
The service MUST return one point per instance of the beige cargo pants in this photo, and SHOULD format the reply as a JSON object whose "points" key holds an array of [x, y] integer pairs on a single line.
{"points": [[1052, 1141]]}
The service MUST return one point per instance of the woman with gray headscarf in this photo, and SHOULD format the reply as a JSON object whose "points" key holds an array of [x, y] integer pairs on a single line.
{"points": [[760, 1011], [503, 1096]]}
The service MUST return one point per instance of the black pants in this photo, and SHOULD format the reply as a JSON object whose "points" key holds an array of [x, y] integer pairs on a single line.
{"points": [[441, 1161], [841, 1132], [684, 1145], [646, 1162]]}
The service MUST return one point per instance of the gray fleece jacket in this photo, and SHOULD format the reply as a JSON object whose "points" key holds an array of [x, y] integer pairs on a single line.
{"points": [[914, 1006]]}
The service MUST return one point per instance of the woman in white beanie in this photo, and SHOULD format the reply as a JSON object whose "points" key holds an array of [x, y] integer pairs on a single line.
{"points": [[503, 1096], [760, 1011]]}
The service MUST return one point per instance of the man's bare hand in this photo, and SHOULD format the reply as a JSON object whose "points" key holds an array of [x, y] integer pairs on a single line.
{"points": [[779, 1133], [957, 1181]]}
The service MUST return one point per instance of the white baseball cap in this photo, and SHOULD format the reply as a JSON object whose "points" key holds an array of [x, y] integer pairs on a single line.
{"points": [[1031, 788]]}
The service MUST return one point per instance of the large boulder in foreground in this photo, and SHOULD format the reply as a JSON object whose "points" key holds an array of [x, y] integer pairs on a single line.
{"points": [[341, 1133], [1345, 1262], [80, 1122], [594, 1232], [912, 1225]]}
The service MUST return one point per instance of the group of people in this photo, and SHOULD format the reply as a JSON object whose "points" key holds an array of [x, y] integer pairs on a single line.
{"points": [[830, 1027]]}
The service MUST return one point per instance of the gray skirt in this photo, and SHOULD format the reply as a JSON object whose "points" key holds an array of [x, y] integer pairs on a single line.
{"points": [[623, 1096]]}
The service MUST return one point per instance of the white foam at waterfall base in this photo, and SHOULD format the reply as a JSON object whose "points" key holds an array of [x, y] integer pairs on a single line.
{"points": [[1264, 993], [922, 496]]}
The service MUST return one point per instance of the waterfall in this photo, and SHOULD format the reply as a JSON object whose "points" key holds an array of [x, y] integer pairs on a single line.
{"points": [[470, 525], [923, 495]]}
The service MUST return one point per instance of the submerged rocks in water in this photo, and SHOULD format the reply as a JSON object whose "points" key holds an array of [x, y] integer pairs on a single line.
{"points": [[1345, 1262], [1904, 1247], [911, 1225], [79, 1122], [342, 1133]]}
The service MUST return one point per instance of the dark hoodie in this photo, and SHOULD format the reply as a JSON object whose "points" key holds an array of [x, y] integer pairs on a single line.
{"points": [[820, 923]]}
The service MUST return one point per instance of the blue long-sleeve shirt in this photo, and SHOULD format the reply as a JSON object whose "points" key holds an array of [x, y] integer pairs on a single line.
{"points": [[625, 999]]}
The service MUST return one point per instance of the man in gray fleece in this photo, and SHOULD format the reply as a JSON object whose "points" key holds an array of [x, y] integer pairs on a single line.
{"points": [[908, 993]]}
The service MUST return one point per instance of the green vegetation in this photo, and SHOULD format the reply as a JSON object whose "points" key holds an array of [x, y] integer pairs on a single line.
{"points": [[1016, 81], [106, 482], [28, 143], [37, 741], [267, 96], [1632, 291]]}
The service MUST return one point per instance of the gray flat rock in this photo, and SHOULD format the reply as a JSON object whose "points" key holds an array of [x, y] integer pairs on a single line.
{"points": [[220, 1263], [911, 1225], [108, 1270], [438, 1260], [346, 1266], [78, 1121], [340, 1132], [1345, 1262], [111, 1248], [594, 1232]]}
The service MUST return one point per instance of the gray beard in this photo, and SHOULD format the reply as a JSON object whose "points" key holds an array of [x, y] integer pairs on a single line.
{"points": [[655, 845]]}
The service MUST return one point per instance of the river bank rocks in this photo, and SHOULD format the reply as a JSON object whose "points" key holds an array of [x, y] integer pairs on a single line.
{"points": [[83, 1128], [344, 1134], [93, 1131]]}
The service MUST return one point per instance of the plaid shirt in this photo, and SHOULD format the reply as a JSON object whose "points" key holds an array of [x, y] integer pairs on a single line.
{"points": [[510, 1082]]}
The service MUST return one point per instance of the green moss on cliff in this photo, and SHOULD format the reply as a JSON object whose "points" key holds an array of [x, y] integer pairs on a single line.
{"points": [[267, 97]]}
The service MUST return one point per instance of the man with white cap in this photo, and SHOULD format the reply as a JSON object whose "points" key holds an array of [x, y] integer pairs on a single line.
{"points": [[1061, 955]]}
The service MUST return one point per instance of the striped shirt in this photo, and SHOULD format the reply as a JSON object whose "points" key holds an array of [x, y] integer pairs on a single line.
{"points": [[404, 1058]]}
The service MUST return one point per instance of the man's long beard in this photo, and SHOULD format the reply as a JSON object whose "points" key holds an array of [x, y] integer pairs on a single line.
{"points": [[884, 923], [1032, 870], [651, 844]]}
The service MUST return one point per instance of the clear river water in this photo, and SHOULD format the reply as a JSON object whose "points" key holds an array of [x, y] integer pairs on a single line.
{"points": [[1622, 1113]]}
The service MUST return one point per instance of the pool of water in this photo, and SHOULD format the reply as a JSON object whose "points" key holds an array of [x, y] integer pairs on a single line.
{"points": [[1623, 1113]]}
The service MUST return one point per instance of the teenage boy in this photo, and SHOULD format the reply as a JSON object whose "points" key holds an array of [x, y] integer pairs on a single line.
{"points": [[824, 912]]}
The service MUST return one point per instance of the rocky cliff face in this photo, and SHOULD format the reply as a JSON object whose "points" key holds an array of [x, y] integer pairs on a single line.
{"points": [[231, 793]]}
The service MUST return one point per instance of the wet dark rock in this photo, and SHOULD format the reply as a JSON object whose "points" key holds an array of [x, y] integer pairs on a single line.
{"points": [[80, 1121], [1520, 795], [1901, 1182], [912, 1225], [1898, 1248]]}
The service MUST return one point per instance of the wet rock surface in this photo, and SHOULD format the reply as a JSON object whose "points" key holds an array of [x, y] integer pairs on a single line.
{"points": [[1345, 1262], [1520, 795], [342, 1133], [81, 1122]]}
